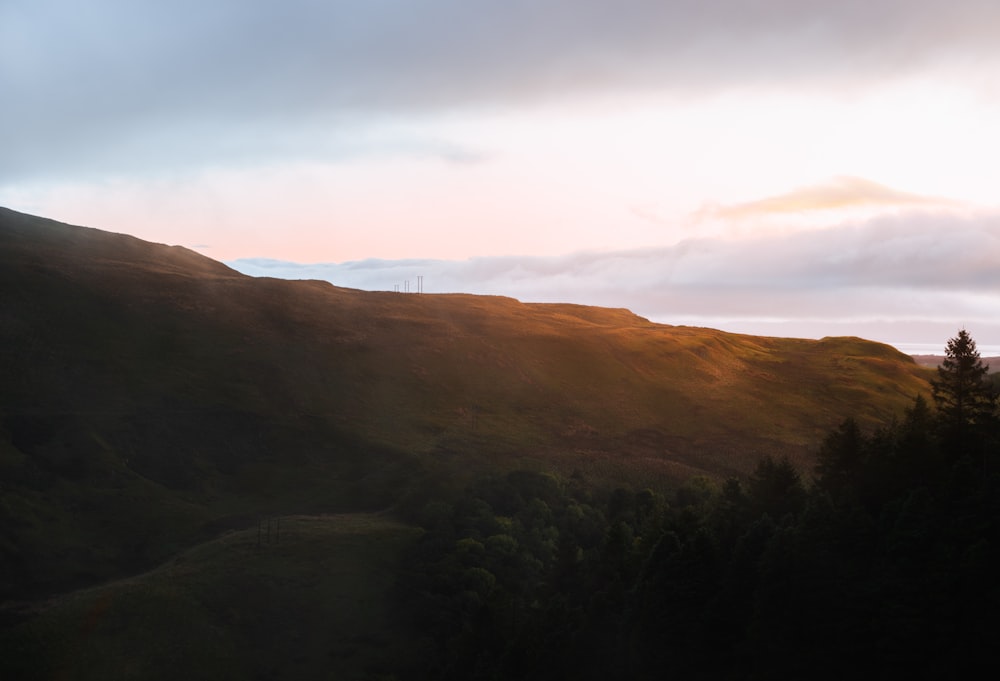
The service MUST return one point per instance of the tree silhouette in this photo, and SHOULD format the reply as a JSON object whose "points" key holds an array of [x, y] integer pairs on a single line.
{"points": [[964, 397], [840, 458], [776, 487]]}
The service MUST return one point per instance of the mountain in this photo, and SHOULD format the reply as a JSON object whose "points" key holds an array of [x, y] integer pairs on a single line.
{"points": [[151, 397], [934, 361]]}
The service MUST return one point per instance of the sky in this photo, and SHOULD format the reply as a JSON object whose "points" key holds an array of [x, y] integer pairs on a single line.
{"points": [[796, 168]]}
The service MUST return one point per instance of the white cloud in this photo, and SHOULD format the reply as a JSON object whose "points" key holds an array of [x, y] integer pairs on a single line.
{"points": [[934, 269]]}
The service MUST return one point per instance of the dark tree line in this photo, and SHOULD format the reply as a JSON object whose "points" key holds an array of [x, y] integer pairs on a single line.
{"points": [[883, 564]]}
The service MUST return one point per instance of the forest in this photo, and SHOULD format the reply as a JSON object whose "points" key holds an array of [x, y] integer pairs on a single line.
{"points": [[880, 562]]}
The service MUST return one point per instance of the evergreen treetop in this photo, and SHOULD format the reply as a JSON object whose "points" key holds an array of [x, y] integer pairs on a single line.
{"points": [[961, 392]]}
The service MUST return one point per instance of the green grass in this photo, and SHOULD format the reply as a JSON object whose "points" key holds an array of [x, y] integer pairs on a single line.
{"points": [[311, 603]]}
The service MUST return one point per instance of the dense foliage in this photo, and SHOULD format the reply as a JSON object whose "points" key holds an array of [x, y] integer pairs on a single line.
{"points": [[883, 563]]}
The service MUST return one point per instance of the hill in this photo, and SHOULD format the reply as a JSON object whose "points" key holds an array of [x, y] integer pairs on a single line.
{"points": [[308, 600], [152, 397], [933, 361]]}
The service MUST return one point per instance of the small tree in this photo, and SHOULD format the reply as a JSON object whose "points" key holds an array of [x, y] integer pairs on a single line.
{"points": [[776, 487], [841, 458], [964, 397]]}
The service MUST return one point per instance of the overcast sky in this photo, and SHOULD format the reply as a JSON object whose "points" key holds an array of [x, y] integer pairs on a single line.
{"points": [[790, 167]]}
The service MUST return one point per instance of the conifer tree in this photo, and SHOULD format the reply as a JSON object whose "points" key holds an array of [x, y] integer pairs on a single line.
{"points": [[841, 458], [963, 395], [961, 392]]}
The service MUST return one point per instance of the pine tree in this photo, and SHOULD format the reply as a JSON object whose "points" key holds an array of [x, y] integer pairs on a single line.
{"points": [[961, 392], [841, 457], [964, 397], [776, 487]]}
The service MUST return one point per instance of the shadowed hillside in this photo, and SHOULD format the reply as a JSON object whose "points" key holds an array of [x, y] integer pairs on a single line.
{"points": [[150, 396], [306, 603]]}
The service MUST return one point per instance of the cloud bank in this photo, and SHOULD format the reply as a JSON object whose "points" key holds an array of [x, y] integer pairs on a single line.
{"points": [[116, 84], [908, 278]]}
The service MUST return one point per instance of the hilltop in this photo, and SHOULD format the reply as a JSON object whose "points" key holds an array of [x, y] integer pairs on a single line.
{"points": [[152, 396]]}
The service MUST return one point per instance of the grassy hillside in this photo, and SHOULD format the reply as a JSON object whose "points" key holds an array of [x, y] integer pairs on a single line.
{"points": [[151, 397], [306, 598]]}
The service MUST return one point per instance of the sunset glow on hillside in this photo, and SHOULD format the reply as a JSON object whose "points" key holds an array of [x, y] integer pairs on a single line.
{"points": [[794, 168]]}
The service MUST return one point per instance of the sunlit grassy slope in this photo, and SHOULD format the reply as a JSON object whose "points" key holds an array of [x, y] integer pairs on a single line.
{"points": [[133, 322], [151, 397]]}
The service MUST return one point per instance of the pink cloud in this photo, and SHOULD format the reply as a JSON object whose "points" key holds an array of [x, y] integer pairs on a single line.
{"points": [[838, 193]]}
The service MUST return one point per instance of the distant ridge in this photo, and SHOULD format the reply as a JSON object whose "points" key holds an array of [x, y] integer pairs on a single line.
{"points": [[536, 371], [170, 397], [935, 361]]}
